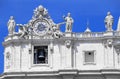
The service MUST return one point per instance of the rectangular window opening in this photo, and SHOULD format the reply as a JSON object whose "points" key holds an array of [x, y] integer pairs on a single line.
{"points": [[89, 57], [40, 54]]}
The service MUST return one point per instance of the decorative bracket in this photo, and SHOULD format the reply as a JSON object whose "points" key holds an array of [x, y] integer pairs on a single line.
{"points": [[68, 43]]}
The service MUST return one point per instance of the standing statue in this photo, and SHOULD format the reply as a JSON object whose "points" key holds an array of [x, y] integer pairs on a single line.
{"points": [[69, 22], [109, 21], [11, 25]]}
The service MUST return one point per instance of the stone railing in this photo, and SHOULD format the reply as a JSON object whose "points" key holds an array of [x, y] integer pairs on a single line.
{"points": [[89, 34]]}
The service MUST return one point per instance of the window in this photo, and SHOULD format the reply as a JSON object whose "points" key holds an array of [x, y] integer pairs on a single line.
{"points": [[89, 57], [40, 54]]}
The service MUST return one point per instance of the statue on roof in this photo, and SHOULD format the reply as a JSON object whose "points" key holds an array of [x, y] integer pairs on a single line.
{"points": [[23, 31], [11, 25], [56, 30], [69, 22], [109, 21]]}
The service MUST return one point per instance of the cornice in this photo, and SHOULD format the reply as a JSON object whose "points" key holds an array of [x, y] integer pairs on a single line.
{"points": [[75, 72], [67, 36]]}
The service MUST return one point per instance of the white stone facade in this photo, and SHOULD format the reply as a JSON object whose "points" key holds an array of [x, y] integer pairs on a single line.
{"points": [[88, 55]]}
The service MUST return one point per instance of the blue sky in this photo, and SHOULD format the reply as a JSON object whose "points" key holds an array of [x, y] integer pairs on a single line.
{"points": [[81, 11]]}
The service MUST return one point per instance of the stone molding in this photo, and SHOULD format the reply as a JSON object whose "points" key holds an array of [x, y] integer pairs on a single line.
{"points": [[64, 72], [47, 40]]}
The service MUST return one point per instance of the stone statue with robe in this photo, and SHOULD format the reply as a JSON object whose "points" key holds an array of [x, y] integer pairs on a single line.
{"points": [[11, 25], [109, 21], [69, 22]]}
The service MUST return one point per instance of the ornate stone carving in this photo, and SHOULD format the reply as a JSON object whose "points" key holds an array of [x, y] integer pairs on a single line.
{"points": [[108, 43], [23, 31], [11, 25], [40, 11], [51, 46], [69, 22], [68, 43], [56, 30], [8, 58], [109, 21], [41, 25]]}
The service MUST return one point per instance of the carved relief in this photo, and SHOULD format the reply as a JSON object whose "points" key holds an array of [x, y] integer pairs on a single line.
{"points": [[40, 11], [51, 46], [23, 31], [68, 43], [108, 43], [8, 59], [56, 30]]}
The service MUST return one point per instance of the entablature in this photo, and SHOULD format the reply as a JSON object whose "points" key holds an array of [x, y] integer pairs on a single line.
{"points": [[33, 39]]}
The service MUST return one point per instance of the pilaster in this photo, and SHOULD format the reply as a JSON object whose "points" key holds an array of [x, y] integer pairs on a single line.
{"points": [[68, 51], [109, 50]]}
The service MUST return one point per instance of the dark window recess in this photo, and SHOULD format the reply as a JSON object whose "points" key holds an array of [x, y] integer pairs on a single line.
{"points": [[40, 54], [89, 57]]}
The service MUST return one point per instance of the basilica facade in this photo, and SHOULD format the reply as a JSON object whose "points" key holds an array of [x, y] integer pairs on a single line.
{"points": [[39, 50]]}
